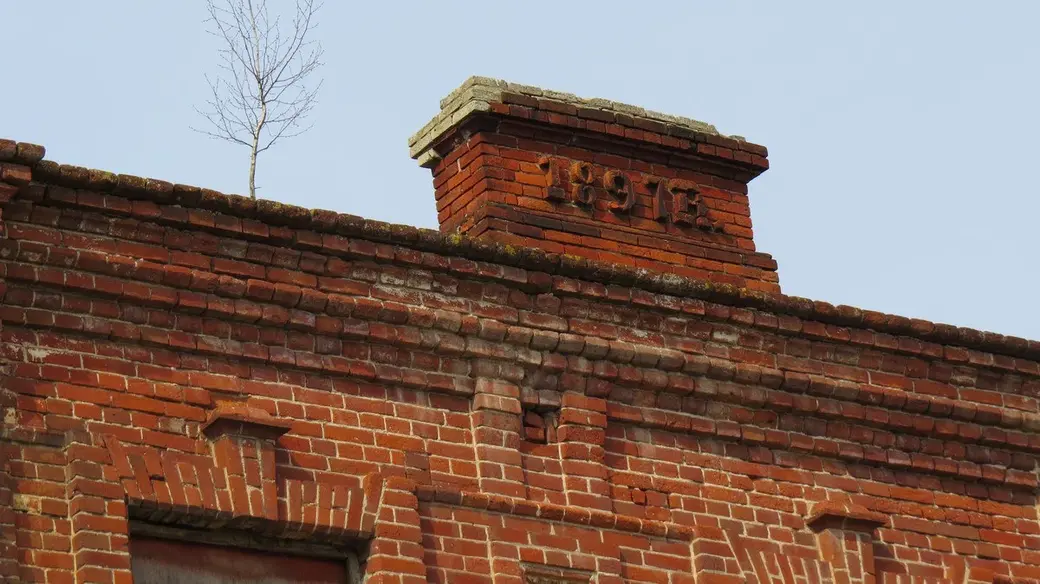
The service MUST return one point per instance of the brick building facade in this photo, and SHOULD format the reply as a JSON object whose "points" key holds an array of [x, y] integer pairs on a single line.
{"points": [[589, 376]]}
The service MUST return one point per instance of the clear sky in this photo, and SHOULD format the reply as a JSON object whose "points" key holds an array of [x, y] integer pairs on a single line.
{"points": [[903, 136]]}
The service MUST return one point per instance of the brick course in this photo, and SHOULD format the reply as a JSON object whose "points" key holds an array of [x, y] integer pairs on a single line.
{"points": [[469, 411]]}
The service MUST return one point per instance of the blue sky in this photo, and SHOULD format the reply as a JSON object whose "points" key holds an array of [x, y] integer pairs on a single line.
{"points": [[903, 136]]}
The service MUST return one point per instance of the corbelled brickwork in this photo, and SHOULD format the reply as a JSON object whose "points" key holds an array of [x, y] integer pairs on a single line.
{"points": [[449, 408]]}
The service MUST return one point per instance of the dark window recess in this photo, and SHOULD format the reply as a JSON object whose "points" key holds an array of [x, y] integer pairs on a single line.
{"points": [[540, 425], [164, 561]]}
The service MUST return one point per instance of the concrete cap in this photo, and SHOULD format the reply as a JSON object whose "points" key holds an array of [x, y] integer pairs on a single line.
{"points": [[477, 94]]}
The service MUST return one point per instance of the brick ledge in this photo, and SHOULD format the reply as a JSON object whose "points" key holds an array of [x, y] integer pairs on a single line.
{"points": [[242, 420], [831, 514]]}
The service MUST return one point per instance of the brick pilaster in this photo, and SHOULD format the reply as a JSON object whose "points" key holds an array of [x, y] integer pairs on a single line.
{"points": [[396, 554], [849, 553], [582, 433], [496, 437], [714, 559], [97, 509]]}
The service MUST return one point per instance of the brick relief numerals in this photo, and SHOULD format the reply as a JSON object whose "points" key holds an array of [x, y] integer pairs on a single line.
{"points": [[583, 190], [619, 186], [671, 200]]}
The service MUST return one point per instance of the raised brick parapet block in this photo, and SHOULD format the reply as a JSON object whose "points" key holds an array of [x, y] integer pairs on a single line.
{"points": [[597, 179]]}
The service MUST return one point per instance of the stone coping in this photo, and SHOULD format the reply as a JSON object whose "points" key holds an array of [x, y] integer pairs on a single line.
{"points": [[476, 94]]}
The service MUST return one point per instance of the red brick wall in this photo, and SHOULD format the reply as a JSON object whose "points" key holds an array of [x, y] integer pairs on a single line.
{"points": [[472, 414]]}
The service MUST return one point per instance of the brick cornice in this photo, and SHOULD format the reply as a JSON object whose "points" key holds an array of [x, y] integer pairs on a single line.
{"points": [[641, 360], [282, 224], [540, 282]]}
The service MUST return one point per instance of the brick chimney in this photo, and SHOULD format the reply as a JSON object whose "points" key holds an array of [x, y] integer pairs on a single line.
{"points": [[595, 178]]}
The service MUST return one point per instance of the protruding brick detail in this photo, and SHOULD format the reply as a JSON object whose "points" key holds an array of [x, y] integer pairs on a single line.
{"points": [[497, 427], [238, 487], [597, 179], [849, 553], [244, 421], [845, 537], [582, 434], [846, 516], [396, 555]]}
